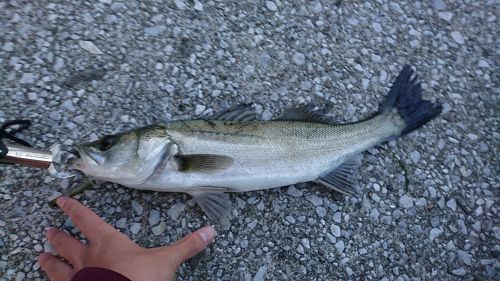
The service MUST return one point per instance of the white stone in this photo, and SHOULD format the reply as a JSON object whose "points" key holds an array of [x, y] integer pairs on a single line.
{"points": [[137, 207], [483, 64], [32, 96], [306, 244], [292, 191], [446, 16], [335, 229], [271, 6], [439, 5], [434, 233], [8, 46], [169, 88], [159, 229], [459, 271], [365, 83], [299, 58], [59, 64], [180, 4], [199, 109], [27, 78], [452, 204], [154, 217], [457, 37], [406, 202], [315, 200], [90, 47], [415, 156], [154, 30], [496, 230], [176, 210], [316, 7], [340, 246], [377, 27], [198, 6], [135, 228]]}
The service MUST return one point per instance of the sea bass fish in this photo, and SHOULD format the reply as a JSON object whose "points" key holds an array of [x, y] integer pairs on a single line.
{"points": [[236, 152]]}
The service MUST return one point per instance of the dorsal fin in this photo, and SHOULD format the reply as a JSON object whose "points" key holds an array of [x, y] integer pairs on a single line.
{"points": [[242, 112], [344, 178], [305, 113]]}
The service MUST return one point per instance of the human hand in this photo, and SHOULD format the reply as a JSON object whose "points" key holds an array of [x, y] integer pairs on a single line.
{"points": [[111, 249]]}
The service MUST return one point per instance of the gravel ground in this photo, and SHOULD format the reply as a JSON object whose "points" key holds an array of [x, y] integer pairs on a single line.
{"points": [[81, 69]]}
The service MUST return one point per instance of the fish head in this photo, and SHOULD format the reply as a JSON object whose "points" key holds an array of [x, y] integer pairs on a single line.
{"points": [[127, 158]]}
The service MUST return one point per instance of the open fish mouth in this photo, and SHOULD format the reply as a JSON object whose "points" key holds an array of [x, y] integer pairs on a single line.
{"points": [[78, 156], [62, 166]]}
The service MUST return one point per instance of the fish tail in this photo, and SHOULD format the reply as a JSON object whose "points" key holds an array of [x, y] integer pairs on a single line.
{"points": [[405, 97]]}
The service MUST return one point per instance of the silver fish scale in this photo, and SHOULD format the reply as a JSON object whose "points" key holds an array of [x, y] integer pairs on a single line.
{"points": [[270, 154]]}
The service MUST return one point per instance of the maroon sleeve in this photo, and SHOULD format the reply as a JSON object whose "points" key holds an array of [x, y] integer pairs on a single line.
{"points": [[98, 274]]}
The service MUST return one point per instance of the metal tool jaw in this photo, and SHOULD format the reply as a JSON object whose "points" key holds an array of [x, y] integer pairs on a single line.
{"points": [[21, 153], [49, 160], [27, 156]]}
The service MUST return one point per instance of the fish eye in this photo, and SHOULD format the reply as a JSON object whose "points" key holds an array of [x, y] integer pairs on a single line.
{"points": [[106, 143]]}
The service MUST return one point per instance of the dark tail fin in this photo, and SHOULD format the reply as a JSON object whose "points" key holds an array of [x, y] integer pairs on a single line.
{"points": [[406, 97]]}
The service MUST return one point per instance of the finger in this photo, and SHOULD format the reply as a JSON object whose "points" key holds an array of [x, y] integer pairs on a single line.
{"points": [[66, 246], [55, 268], [90, 224], [192, 244]]}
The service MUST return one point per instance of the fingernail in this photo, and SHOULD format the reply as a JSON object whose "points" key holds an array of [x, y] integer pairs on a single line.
{"points": [[50, 232], [207, 234], [42, 257], [60, 201]]}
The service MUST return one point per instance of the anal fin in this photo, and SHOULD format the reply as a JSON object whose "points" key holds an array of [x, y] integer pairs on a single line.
{"points": [[344, 178], [216, 206]]}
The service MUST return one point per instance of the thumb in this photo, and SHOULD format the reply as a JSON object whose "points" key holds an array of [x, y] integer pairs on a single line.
{"points": [[192, 244]]}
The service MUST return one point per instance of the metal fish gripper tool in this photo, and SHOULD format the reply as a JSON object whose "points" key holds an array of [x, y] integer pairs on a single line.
{"points": [[20, 152]]}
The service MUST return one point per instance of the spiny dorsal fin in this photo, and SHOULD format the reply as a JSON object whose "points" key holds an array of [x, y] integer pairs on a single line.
{"points": [[216, 206], [242, 112], [344, 178], [204, 163], [305, 113]]}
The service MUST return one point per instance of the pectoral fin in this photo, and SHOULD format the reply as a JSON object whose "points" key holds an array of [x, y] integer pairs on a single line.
{"points": [[344, 178], [204, 163], [216, 206]]}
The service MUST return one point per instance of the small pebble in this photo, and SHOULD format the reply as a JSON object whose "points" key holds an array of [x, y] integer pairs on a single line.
{"points": [[406, 202], [159, 229], [271, 6], [154, 217], [320, 211], [299, 58], [294, 192], [457, 37], [340, 246], [434, 233], [335, 229], [176, 211], [315, 200], [135, 228], [8, 47], [306, 244]]}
